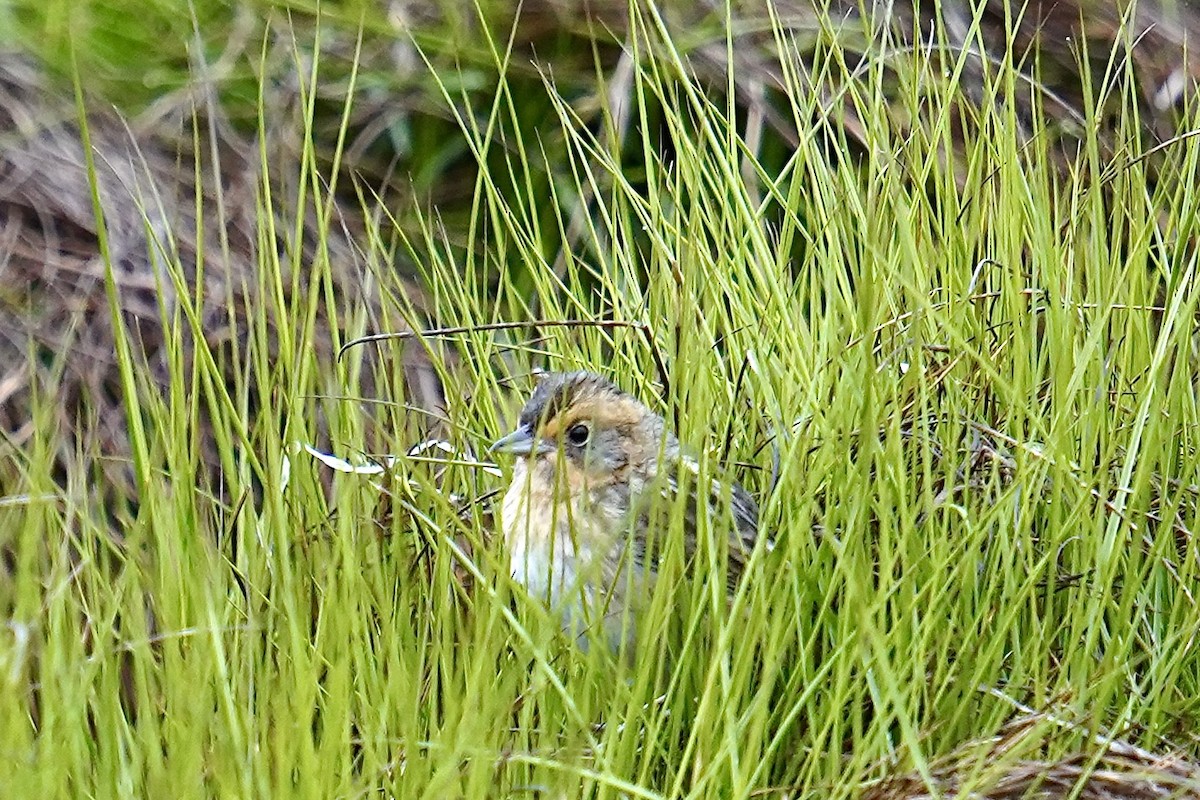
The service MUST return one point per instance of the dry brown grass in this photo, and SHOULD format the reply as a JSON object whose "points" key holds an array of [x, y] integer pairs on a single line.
{"points": [[1007, 767], [56, 332]]}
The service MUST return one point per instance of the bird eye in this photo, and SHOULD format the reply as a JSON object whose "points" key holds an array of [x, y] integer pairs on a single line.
{"points": [[578, 434]]}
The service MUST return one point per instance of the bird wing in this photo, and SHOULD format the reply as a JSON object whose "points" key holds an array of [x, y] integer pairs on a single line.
{"points": [[726, 503]]}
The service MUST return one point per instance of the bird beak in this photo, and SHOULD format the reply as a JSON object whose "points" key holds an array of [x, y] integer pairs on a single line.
{"points": [[520, 443]]}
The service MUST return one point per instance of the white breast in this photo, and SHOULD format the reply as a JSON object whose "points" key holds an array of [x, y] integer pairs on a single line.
{"points": [[559, 560]]}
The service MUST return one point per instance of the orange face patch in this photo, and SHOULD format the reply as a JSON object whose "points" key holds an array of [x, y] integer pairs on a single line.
{"points": [[607, 412]]}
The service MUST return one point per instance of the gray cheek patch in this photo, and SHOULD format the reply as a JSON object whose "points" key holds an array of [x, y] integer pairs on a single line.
{"points": [[605, 452]]}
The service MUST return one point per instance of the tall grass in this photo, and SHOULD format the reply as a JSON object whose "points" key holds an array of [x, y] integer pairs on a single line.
{"points": [[959, 379]]}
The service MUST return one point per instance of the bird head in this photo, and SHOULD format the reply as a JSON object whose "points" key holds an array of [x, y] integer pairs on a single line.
{"points": [[598, 430]]}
